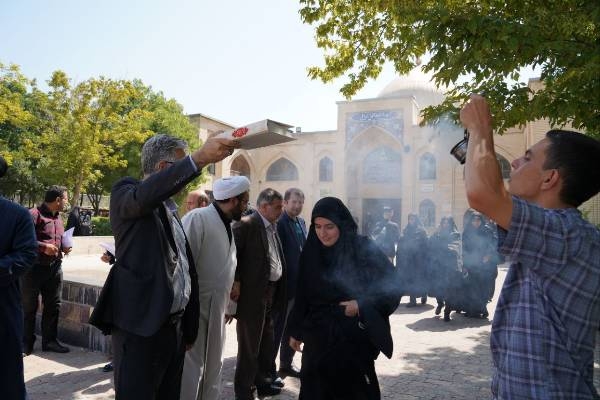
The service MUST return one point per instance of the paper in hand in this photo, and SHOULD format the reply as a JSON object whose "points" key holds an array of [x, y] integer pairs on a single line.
{"points": [[110, 247], [67, 238]]}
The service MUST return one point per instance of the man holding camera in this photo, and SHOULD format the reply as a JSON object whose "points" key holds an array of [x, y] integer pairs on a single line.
{"points": [[544, 328]]}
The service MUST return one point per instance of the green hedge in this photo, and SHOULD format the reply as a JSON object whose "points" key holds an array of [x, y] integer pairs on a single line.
{"points": [[101, 226]]}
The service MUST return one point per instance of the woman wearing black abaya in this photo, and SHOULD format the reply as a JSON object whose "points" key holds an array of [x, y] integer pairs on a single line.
{"points": [[347, 288], [480, 259], [444, 269], [411, 260]]}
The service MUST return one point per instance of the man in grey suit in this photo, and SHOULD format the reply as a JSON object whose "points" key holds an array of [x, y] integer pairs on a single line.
{"points": [[149, 302], [259, 288]]}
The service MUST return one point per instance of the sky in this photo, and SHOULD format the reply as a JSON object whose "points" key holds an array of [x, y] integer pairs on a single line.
{"points": [[236, 61]]}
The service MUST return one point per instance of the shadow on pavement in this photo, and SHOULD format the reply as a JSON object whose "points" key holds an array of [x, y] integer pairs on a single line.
{"points": [[457, 321], [418, 309], [442, 373], [87, 382]]}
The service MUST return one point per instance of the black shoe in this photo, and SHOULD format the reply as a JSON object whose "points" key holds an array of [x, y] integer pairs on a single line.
{"points": [[277, 382], [268, 390], [108, 367], [28, 348], [438, 309], [55, 347], [423, 300], [446, 316], [291, 370]]}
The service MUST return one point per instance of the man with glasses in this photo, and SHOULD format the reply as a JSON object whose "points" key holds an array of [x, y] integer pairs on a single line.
{"points": [[150, 299], [259, 289], [208, 231]]}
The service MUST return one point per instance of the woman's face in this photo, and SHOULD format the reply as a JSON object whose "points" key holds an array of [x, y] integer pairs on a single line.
{"points": [[327, 232]]}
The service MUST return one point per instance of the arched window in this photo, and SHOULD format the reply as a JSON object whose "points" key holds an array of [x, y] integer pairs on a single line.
{"points": [[382, 165], [427, 166], [427, 213], [282, 170], [240, 166], [504, 166], [326, 169]]}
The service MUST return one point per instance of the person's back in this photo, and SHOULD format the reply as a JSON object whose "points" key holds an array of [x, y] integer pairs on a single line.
{"points": [[548, 312]]}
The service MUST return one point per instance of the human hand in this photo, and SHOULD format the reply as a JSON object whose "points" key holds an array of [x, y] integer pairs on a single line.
{"points": [[105, 257], [67, 250], [296, 344], [214, 150], [350, 308], [475, 115], [235, 291], [228, 318], [188, 347], [50, 249]]}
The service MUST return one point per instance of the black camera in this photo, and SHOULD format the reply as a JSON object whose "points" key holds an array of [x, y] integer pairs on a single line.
{"points": [[459, 151]]}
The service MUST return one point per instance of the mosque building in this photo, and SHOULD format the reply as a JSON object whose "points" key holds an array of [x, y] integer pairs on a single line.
{"points": [[378, 156]]}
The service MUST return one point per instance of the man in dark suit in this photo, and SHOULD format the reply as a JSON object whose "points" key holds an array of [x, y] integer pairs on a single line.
{"points": [[149, 302], [18, 250], [259, 288], [292, 232]]}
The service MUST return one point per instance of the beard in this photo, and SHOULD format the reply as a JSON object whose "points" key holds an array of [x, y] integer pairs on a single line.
{"points": [[236, 214]]}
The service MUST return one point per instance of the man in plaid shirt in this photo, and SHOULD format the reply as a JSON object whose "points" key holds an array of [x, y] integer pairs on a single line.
{"points": [[543, 333]]}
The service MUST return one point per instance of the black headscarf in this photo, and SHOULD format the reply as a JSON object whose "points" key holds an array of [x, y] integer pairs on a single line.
{"points": [[413, 229], [339, 258]]}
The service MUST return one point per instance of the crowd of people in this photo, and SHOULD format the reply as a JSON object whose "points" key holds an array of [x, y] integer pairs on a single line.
{"points": [[458, 270], [325, 291]]}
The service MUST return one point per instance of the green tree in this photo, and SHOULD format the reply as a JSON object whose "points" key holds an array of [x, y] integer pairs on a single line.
{"points": [[164, 116], [20, 107], [87, 126], [474, 47]]}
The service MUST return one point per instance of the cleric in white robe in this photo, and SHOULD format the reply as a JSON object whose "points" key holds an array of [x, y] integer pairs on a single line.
{"points": [[208, 232]]}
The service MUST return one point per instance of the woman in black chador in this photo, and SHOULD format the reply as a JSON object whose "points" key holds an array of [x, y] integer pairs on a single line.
{"points": [[445, 272], [347, 288], [480, 260], [411, 260]]}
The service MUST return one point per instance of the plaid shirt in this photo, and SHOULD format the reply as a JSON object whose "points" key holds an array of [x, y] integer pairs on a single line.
{"points": [[547, 316]]}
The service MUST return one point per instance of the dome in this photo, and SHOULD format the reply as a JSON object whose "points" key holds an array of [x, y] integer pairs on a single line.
{"points": [[416, 83]]}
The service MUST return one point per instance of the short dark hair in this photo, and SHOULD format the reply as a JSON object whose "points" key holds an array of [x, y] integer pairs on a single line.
{"points": [[268, 196], [3, 167], [53, 192], [288, 193], [577, 158]]}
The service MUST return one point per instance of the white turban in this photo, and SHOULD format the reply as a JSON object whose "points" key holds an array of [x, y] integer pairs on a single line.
{"points": [[226, 188]]}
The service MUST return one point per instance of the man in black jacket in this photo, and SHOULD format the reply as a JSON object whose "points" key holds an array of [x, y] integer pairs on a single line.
{"points": [[18, 249], [149, 302]]}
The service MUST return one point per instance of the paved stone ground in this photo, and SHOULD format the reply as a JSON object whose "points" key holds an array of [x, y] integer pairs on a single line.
{"points": [[432, 360]]}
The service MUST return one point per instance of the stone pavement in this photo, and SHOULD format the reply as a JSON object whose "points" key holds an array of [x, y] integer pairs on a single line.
{"points": [[432, 360]]}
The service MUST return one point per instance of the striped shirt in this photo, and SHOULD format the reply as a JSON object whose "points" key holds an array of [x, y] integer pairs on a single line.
{"points": [[544, 327]]}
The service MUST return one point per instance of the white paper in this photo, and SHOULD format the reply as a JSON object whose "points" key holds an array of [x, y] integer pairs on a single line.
{"points": [[110, 247], [67, 238], [260, 134]]}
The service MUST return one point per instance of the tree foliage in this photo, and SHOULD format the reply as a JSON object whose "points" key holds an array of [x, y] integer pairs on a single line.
{"points": [[83, 136], [474, 47]]}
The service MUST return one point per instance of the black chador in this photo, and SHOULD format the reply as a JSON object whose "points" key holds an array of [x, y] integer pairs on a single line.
{"points": [[339, 351]]}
